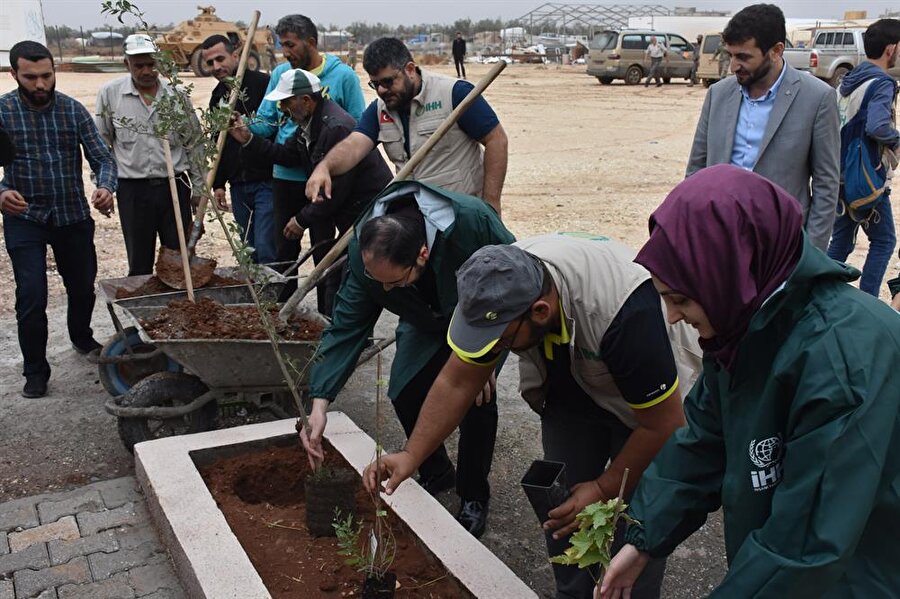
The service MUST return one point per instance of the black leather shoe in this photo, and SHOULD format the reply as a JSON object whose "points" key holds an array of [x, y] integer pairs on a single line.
{"points": [[473, 517], [87, 347], [441, 482], [35, 386]]}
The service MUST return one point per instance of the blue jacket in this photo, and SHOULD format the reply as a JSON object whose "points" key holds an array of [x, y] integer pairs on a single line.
{"points": [[339, 83], [879, 125]]}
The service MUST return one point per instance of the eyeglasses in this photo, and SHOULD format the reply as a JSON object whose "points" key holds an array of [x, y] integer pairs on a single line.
{"points": [[506, 342], [401, 282], [385, 82]]}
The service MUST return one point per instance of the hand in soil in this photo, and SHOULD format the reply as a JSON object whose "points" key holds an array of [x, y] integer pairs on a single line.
{"points": [[623, 571], [562, 518], [312, 441], [396, 467]]}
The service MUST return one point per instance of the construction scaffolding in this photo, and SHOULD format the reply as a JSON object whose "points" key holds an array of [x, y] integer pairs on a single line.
{"points": [[566, 18]]}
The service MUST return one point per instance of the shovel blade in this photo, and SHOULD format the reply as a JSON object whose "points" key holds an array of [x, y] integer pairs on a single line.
{"points": [[171, 272]]}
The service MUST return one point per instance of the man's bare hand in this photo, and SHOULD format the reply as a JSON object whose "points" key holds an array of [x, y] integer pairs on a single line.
{"points": [[292, 230], [562, 518], [396, 467], [312, 440], [12, 202], [490, 387], [622, 573], [318, 187], [238, 130], [219, 197], [103, 200]]}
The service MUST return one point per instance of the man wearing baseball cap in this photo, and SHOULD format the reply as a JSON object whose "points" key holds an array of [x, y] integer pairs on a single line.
{"points": [[597, 361], [321, 124], [126, 116]]}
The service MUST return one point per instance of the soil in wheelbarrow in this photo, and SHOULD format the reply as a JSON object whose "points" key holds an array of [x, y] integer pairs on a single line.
{"points": [[154, 286], [262, 497], [208, 319]]}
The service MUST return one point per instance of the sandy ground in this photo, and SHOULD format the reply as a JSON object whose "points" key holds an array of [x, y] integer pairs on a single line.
{"points": [[582, 158]]}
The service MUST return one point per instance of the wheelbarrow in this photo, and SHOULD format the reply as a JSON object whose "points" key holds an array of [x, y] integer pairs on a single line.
{"points": [[214, 375], [126, 358]]}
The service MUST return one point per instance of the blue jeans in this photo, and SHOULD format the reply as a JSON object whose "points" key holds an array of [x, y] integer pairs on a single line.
{"points": [[76, 261], [255, 196], [882, 239]]}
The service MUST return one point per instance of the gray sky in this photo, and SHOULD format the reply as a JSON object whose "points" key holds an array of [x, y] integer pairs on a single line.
{"points": [[395, 12]]}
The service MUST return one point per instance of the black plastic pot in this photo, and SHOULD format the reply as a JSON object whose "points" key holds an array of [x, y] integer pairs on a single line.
{"points": [[324, 494], [379, 588], [546, 487]]}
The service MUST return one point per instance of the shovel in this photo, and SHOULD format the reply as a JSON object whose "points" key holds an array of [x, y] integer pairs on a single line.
{"points": [[341, 244], [167, 263]]}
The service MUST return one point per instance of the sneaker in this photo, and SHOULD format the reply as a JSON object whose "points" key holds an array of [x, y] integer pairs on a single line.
{"points": [[35, 386], [439, 483], [87, 347], [473, 517]]}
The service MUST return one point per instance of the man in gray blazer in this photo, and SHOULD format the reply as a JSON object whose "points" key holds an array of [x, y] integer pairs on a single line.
{"points": [[773, 120]]}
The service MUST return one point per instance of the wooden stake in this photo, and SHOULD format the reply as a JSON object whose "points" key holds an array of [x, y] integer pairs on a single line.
{"points": [[176, 208]]}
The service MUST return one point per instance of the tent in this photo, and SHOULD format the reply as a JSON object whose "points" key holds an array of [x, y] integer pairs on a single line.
{"points": [[19, 20]]}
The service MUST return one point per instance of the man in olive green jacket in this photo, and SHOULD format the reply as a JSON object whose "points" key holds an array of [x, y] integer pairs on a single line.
{"points": [[421, 290]]}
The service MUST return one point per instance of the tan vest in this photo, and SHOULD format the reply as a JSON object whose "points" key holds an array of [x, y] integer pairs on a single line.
{"points": [[594, 276], [456, 162]]}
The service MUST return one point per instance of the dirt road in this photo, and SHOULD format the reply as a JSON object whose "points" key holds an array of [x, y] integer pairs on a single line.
{"points": [[582, 158]]}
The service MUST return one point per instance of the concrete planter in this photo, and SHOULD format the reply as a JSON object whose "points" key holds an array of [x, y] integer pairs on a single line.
{"points": [[211, 562]]}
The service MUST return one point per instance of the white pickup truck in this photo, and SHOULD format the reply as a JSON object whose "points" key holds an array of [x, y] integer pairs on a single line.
{"points": [[833, 53]]}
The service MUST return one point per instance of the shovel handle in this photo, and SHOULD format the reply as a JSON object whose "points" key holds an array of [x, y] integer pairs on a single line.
{"points": [[341, 244], [197, 227]]}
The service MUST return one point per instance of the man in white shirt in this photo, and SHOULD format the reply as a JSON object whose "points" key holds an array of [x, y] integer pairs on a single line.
{"points": [[655, 52]]}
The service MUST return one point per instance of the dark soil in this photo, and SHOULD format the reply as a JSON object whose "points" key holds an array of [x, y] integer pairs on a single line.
{"points": [[261, 495], [154, 286], [208, 319]]}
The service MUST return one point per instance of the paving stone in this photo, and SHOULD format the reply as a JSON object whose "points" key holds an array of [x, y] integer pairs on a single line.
{"points": [[4, 544], [130, 514], [48, 594], [6, 590], [63, 551], [31, 582], [86, 500], [119, 491], [165, 594], [104, 565], [65, 529], [32, 557], [116, 587], [18, 513], [131, 537], [155, 578]]}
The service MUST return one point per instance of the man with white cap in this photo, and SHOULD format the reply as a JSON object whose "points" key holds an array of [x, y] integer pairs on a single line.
{"points": [[321, 124], [126, 115], [597, 361]]}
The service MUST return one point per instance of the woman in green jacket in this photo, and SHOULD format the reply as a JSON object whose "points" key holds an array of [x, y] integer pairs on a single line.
{"points": [[794, 427]]}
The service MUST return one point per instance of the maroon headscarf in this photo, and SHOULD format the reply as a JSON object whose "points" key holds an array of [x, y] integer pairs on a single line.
{"points": [[726, 238]]}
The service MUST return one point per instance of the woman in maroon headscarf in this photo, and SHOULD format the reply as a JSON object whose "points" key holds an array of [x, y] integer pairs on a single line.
{"points": [[794, 426]]}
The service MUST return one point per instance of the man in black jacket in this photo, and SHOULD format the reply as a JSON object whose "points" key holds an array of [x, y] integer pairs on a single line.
{"points": [[250, 181], [322, 124], [459, 55]]}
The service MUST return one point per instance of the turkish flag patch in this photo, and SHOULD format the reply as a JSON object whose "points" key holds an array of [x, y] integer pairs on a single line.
{"points": [[385, 117]]}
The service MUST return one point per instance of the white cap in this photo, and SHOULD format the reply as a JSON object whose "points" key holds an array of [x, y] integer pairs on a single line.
{"points": [[139, 43], [295, 82]]}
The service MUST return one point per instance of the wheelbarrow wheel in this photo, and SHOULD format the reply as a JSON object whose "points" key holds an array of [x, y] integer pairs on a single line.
{"points": [[165, 389], [117, 378]]}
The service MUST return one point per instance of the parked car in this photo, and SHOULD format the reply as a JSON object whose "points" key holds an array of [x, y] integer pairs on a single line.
{"points": [[620, 55], [708, 71]]}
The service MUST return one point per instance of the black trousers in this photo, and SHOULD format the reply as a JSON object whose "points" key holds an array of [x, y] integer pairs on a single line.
{"points": [[76, 261], [460, 66], [584, 436], [477, 433], [145, 211], [289, 198]]}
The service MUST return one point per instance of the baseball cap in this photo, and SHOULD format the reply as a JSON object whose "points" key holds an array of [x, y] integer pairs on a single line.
{"points": [[139, 43], [295, 82], [496, 285]]}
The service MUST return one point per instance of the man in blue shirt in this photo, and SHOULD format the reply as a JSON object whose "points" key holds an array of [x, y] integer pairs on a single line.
{"points": [[43, 203], [299, 41]]}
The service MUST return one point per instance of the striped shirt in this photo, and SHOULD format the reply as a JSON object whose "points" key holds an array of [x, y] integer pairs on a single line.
{"points": [[47, 168]]}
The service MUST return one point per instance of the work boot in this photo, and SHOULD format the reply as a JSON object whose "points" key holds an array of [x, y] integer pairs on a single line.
{"points": [[35, 386], [473, 517], [89, 347]]}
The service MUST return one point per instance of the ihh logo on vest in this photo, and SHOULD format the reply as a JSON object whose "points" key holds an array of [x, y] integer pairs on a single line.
{"points": [[766, 455], [436, 105]]}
